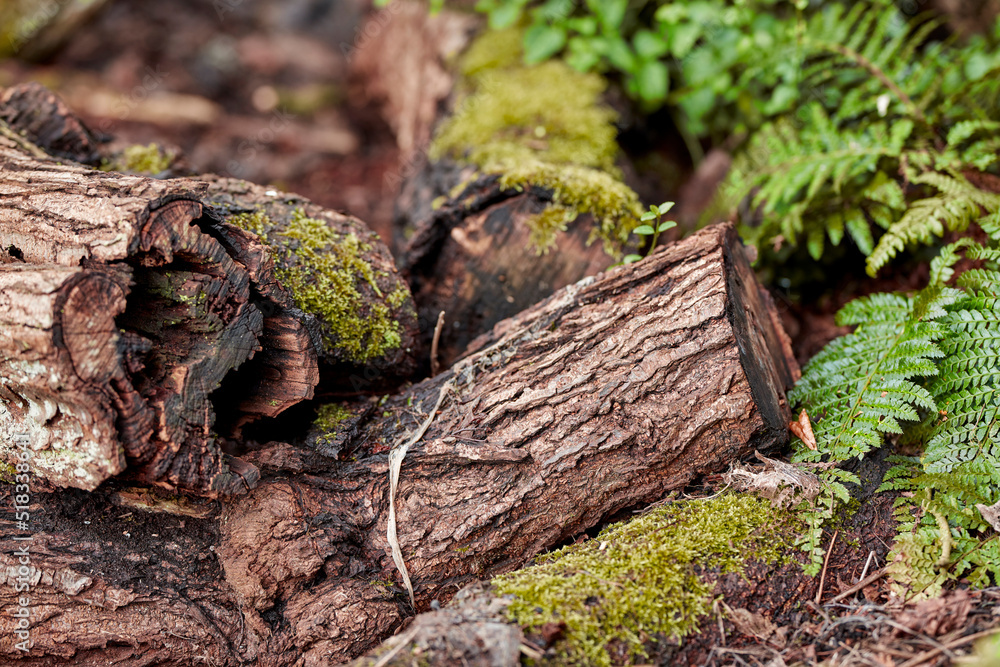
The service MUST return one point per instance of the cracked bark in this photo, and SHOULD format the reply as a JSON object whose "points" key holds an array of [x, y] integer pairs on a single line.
{"points": [[604, 397], [128, 301]]}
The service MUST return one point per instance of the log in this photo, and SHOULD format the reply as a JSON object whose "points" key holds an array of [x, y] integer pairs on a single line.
{"points": [[604, 397], [131, 301], [473, 255], [474, 241]]}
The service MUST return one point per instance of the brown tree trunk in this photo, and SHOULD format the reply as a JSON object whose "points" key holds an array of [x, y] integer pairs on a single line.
{"points": [[128, 302], [603, 397]]}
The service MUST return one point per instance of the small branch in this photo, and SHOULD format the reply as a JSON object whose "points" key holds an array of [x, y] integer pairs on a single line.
{"points": [[873, 577], [934, 652]]}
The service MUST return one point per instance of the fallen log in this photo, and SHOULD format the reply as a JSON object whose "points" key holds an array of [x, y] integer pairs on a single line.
{"points": [[604, 397], [129, 302], [517, 195]]}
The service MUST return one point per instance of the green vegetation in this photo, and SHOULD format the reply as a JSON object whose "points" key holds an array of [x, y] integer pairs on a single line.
{"points": [[328, 420], [689, 55], [638, 580], [848, 121], [927, 368], [323, 270], [542, 126], [655, 216], [857, 127], [150, 160], [893, 139], [851, 123]]}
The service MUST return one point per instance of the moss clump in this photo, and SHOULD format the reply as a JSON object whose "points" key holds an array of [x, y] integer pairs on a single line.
{"points": [[493, 50], [256, 222], [543, 126], [141, 160], [639, 579], [7, 473], [323, 269], [328, 420]]}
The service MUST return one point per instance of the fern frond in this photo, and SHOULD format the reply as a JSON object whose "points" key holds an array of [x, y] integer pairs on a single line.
{"points": [[924, 219], [861, 385]]}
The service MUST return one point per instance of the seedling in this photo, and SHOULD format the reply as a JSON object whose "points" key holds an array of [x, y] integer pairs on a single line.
{"points": [[654, 215]]}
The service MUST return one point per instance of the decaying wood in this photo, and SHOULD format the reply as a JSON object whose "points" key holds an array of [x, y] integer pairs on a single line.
{"points": [[399, 61], [464, 243], [148, 301], [605, 396], [473, 257]]}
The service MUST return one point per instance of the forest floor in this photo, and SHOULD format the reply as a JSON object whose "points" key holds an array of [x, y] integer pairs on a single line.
{"points": [[264, 91]]}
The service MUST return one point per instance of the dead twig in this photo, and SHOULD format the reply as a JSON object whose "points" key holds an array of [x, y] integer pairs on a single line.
{"points": [[435, 364], [944, 648], [873, 577], [826, 562]]}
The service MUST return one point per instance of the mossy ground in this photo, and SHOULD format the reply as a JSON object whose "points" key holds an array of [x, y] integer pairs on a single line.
{"points": [[323, 270], [543, 126], [645, 578]]}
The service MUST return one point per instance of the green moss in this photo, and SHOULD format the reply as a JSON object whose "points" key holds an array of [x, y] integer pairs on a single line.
{"points": [[494, 49], [323, 270], [543, 126], [328, 420], [397, 297], [256, 222], [8, 474], [639, 579], [141, 160]]}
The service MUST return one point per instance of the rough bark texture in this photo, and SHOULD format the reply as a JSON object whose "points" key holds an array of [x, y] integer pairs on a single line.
{"points": [[605, 396], [129, 301]]}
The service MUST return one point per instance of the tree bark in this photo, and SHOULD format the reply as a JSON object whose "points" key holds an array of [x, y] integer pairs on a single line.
{"points": [[610, 393], [130, 301]]}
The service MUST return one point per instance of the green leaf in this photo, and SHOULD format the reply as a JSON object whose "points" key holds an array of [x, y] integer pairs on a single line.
{"points": [[683, 38], [585, 25], [664, 226], [649, 45], [541, 42], [505, 15], [643, 230], [665, 207], [648, 215], [629, 259], [609, 12], [653, 81], [619, 54]]}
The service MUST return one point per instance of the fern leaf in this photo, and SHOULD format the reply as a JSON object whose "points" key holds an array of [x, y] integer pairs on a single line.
{"points": [[861, 385]]}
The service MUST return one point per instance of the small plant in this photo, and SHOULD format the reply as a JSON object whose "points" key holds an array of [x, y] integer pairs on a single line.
{"points": [[923, 368], [654, 215]]}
